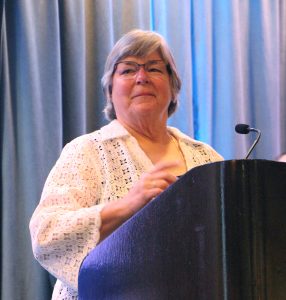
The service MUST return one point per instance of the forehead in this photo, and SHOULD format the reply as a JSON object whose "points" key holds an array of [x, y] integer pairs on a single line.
{"points": [[152, 56]]}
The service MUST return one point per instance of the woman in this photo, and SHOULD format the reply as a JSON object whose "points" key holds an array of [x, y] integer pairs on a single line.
{"points": [[101, 179]]}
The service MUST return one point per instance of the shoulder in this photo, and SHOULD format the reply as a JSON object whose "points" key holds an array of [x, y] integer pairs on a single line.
{"points": [[195, 145], [182, 137], [111, 131]]}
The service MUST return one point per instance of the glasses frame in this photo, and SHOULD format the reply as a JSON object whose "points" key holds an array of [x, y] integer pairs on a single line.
{"points": [[138, 66]]}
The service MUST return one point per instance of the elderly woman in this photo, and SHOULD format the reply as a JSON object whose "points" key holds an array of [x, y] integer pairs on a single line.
{"points": [[103, 178]]}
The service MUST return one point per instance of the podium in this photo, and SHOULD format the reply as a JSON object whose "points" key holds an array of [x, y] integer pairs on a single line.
{"points": [[219, 232]]}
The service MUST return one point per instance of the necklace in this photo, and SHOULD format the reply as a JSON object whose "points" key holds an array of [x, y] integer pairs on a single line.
{"points": [[175, 142]]}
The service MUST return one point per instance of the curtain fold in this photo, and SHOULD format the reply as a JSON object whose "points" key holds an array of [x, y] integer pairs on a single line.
{"points": [[231, 56], [281, 108]]}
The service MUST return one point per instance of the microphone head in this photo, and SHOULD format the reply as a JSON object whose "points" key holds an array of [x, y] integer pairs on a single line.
{"points": [[242, 128]]}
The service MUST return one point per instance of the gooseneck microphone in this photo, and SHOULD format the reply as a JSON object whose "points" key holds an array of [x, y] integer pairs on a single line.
{"points": [[245, 129]]}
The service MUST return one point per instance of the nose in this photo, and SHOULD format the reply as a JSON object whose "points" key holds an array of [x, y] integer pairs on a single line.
{"points": [[142, 76]]}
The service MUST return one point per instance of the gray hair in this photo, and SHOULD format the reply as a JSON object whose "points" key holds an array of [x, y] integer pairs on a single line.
{"points": [[139, 43]]}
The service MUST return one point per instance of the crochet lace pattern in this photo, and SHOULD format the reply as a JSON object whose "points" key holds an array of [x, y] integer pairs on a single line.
{"points": [[93, 169]]}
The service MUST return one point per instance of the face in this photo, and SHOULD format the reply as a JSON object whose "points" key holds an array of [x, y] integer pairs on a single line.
{"points": [[141, 94]]}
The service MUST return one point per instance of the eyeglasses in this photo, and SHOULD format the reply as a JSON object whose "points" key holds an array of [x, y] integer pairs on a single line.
{"points": [[129, 69]]}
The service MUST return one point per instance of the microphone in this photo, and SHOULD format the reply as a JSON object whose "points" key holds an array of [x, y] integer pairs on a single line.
{"points": [[245, 129]]}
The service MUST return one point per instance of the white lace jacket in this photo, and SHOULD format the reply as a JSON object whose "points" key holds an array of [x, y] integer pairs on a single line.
{"points": [[92, 170]]}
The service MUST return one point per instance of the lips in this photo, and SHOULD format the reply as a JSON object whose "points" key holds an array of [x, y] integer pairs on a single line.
{"points": [[143, 94]]}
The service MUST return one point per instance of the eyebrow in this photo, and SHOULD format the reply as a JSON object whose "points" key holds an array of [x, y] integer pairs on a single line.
{"points": [[131, 61]]}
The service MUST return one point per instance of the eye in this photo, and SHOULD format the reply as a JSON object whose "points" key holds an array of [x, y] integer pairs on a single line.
{"points": [[127, 70], [155, 70]]}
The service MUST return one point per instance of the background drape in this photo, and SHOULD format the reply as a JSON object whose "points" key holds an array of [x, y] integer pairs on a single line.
{"points": [[231, 56]]}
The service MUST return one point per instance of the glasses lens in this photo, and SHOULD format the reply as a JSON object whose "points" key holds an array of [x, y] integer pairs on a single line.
{"points": [[127, 69], [155, 68]]}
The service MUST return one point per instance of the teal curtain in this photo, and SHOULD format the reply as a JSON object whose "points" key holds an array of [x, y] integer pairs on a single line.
{"points": [[231, 55]]}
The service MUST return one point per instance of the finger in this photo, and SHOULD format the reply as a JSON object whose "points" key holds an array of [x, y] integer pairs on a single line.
{"points": [[161, 170], [161, 179], [164, 175], [159, 184], [164, 166]]}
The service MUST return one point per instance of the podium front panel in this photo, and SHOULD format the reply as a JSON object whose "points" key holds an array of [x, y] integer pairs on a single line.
{"points": [[217, 233]]}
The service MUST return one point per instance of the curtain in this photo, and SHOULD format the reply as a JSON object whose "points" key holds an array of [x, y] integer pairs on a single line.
{"points": [[231, 56]]}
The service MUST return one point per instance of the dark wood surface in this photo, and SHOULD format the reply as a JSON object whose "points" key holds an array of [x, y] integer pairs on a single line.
{"points": [[218, 233]]}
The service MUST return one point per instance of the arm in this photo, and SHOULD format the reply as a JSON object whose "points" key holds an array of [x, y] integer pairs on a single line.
{"points": [[66, 224], [71, 219], [150, 185]]}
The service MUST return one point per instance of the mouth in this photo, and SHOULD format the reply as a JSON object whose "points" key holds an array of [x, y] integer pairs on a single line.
{"points": [[143, 95]]}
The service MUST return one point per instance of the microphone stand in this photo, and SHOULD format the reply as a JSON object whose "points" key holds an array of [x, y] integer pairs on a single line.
{"points": [[255, 142]]}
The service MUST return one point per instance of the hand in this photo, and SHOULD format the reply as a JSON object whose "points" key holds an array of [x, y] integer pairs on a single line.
{"points": [[150, 185]]}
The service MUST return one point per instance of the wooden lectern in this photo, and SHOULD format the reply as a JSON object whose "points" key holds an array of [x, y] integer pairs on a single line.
{"points": [[218, 233]]}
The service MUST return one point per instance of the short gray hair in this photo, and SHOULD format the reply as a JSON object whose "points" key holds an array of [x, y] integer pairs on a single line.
{"points": [[139, 43]]}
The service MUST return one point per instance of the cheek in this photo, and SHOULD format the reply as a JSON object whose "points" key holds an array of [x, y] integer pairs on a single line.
{"points": [[120, 89], [165, 88], [120, 95]]}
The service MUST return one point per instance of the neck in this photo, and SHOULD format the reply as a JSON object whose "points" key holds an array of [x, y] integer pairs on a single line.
{"points": [[157, 133]]}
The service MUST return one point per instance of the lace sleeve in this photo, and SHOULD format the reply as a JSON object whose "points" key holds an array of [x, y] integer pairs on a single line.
{"points": [[65, 225]]}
